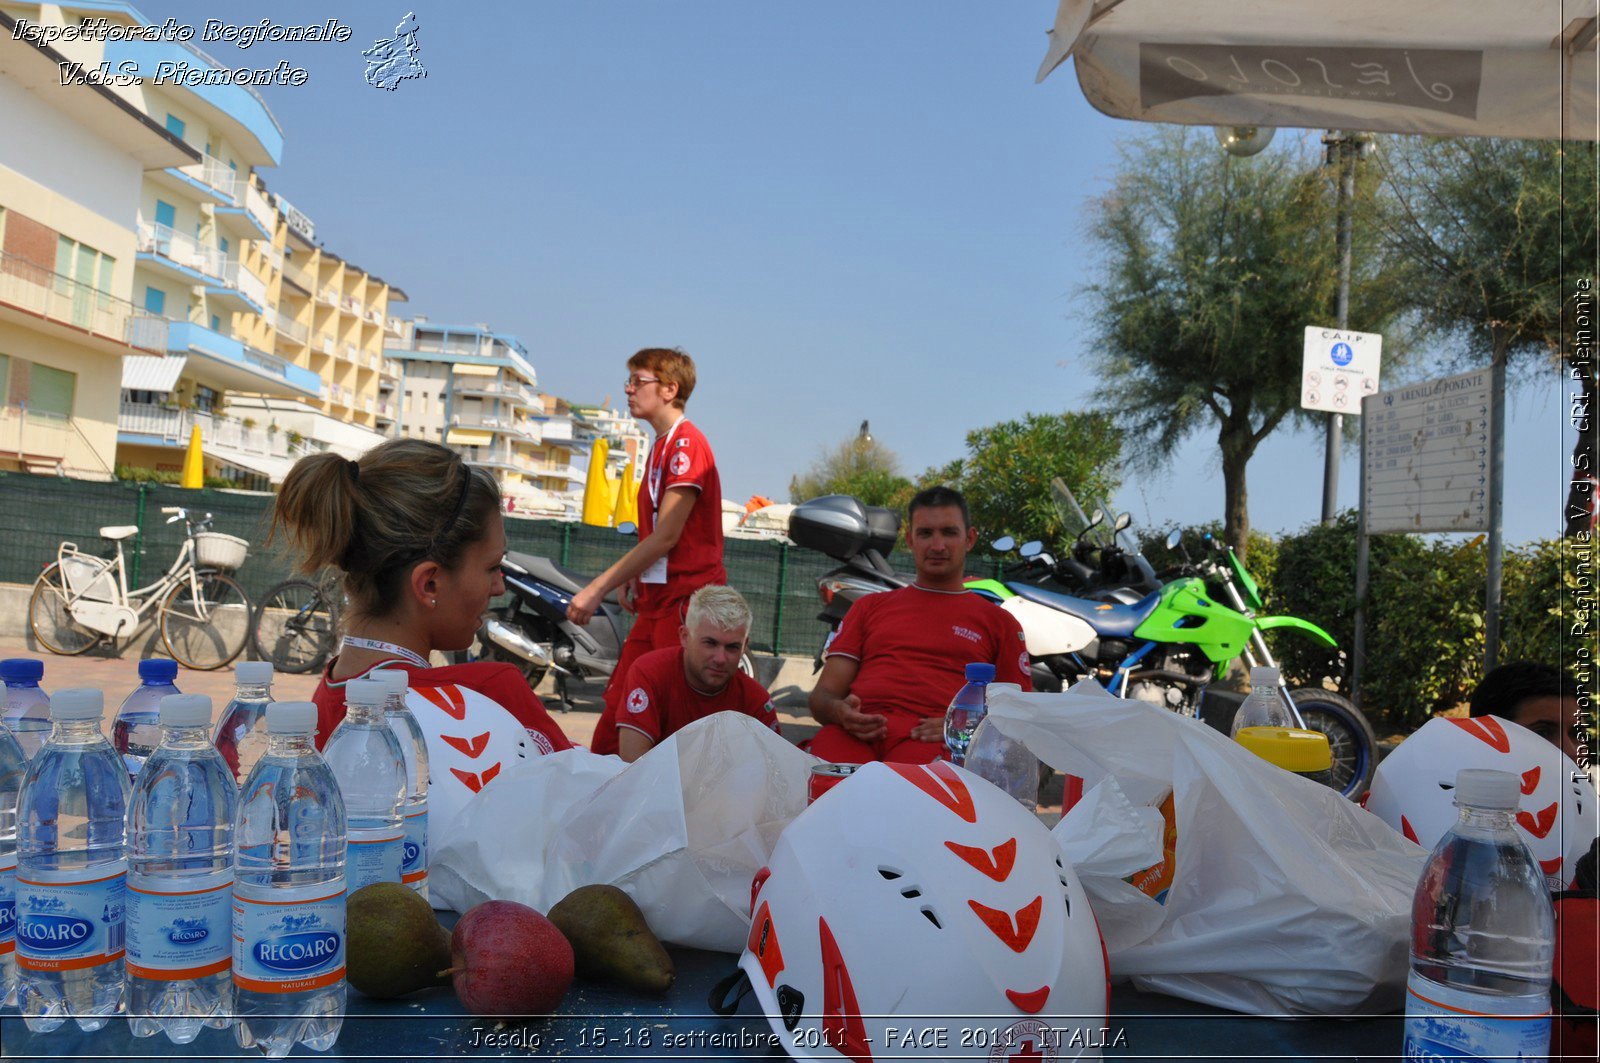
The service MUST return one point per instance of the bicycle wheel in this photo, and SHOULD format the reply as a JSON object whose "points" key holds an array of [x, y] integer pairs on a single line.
{"points": [[205, 631], [51, 621], [1350, 739], [296, 627]]}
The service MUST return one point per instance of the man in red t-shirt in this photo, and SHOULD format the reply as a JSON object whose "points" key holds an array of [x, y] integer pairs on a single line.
{"points": [[900, 656], [668, 689], [680, 520]]}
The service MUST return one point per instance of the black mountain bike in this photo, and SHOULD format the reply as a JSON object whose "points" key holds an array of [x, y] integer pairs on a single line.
{"points": [[297, 624]]}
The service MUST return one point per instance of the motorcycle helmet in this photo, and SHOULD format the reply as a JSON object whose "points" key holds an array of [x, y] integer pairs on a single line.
{"points": [[471, 738], [919, 911], [1414, 788]]}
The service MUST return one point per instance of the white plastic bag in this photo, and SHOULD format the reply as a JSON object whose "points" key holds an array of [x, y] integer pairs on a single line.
{"points": [[683, 829], [1285, 898]]}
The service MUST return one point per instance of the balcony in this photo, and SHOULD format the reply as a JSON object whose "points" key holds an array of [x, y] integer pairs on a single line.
{"points": [[225, 363], [522, 430], [326, 343], [500, 458], [299, 276], [165, 425], [288, 327], [70, 307], [488, 387], [329, 295], [210, 178], [394, 326], [240, 289], [178, 256], [253, 219], [385, 410], [236, 111]]}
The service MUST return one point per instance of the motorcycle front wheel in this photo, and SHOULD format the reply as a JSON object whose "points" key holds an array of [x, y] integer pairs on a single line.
{"points": [[1350, 740]]}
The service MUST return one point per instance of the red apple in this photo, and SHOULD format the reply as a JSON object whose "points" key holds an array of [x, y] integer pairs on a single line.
{"points": [[508, 960]]}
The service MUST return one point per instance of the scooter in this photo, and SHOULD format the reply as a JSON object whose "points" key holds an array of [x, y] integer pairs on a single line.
{"points": [[856, 535]]}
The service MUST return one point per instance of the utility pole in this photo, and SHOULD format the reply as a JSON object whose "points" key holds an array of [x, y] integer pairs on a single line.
{"points": [[1344, 149]]}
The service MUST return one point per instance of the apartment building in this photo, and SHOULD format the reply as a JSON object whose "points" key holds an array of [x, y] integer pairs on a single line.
{"points": [[74, 160]]}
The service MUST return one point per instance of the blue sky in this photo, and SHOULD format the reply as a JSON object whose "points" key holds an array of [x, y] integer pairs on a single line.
{"points": [[841, 210]]}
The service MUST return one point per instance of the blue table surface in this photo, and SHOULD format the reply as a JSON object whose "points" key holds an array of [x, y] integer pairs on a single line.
{"points": [[597, 1020]]}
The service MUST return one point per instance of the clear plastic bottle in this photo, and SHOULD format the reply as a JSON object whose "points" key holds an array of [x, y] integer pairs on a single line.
{"points": [[289, 892], [1482, 935], [72, 871], [1264, 707], [137, 729], [180, 879], [26, 712], [414, 863], [965, 710], [13, 766], [241, 734], [1004, 761], [370, 766]]}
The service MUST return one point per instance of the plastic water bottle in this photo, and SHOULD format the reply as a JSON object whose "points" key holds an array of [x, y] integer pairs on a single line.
{"points": [[180, 879], [137, 729], [966, 709], [13, 766], [27, 708], [1004, 761], [289, 892], [1482, 935], [414, 862], [1264, 707], [367, 759], [72, 871], [241, 734]]}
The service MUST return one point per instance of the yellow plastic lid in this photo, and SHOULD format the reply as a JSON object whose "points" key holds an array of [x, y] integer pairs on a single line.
{"points": [[1290, 748]]}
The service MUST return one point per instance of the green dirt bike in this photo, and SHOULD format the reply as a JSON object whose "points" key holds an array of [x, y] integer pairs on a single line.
{"points": [[1168, 645]]}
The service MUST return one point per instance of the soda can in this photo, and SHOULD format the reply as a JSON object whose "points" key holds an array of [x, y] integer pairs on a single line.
{"points": [[825, 777]]}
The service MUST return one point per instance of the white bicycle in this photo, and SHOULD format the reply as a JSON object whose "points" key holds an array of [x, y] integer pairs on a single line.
{"points": [[80, 600]]}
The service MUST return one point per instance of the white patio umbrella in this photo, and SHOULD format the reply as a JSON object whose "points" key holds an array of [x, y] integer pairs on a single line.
{"points": [[1494, 68]]}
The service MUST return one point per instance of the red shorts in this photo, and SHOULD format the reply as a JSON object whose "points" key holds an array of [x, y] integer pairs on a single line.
{"points": [[838, 746], [650, 631]]}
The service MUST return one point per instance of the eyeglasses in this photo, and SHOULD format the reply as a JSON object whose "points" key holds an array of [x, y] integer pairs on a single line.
{"points": [[634, 383]]}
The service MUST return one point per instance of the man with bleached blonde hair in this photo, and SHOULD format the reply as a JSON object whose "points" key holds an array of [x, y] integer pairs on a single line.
{"points": [[669, 688]]}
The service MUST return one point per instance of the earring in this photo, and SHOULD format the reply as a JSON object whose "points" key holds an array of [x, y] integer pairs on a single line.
{"points": [[432, 602]]}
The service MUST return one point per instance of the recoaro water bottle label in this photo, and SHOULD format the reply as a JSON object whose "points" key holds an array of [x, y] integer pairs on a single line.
{"points": [[375, 855], [414, 858], [288, 939], [71, 920], [180, 929], [1447, 1024], [8, 904]]}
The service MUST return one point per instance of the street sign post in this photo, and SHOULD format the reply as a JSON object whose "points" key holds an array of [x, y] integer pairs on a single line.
{"points": [[1428, 457]]}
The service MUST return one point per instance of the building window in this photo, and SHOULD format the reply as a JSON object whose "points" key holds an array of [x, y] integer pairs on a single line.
{"points": [[222, 244], [155, 301], [205, 399], [166, 213], [216, 323], [50, 391], [175, 126], [5, 376]]}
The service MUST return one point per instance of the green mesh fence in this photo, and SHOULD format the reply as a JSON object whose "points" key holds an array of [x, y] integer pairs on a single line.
{"points": [[37, 513]]}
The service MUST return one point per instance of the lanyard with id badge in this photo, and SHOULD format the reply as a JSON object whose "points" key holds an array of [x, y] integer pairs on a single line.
{"points": [[653, 477]]}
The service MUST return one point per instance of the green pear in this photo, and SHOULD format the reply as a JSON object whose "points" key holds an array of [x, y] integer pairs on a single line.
{"points": [[611, 940], [393, 943]]}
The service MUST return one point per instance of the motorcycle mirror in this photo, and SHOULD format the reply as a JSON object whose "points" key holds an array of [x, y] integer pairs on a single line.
{"points": [[1174, 537], [1123, 520], [1032, 549], [1004, 545], [627, 527], [1097, 516]]}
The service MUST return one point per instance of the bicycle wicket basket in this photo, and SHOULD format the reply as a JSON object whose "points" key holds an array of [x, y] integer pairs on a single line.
{"points": [[215, 550]]}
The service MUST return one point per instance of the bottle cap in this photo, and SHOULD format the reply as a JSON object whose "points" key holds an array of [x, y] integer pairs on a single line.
{"points": [[980, 672], [1265, 676], [291, 717], [79, 703], [21, 670], [158, 670], [365, 692], [1483, 788], [253, 673], [393, 680], [186, 710]]}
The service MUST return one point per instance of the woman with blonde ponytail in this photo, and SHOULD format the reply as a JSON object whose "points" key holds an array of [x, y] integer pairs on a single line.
{"points": [[418, 536]]}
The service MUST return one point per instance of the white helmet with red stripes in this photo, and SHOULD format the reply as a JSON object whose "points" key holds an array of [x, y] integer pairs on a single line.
{"points": [[471, 740], [908, 895], [1414, 788]]}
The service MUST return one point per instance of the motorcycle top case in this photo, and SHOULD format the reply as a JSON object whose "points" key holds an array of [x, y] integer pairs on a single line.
{"points": [[841, 527]]}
